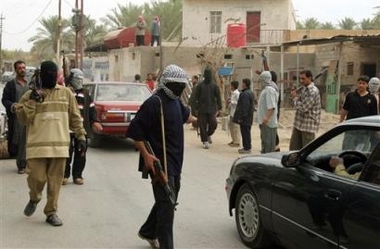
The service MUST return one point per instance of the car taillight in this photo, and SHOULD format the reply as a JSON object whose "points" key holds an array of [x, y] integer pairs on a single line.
{"points": [[112, 117]]}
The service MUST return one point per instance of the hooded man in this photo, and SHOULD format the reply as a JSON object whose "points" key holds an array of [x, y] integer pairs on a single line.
{"points": [[90, 122], [267, 112], [208, 103], [167, 143], [373, 86], [48, 113]]}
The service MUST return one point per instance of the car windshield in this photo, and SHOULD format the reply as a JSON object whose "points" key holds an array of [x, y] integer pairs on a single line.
{"points": [[122, 92]]}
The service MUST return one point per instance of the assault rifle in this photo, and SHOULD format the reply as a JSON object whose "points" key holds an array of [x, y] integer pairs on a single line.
{"points": [[159, 176], [36, 87], [64, 68]]}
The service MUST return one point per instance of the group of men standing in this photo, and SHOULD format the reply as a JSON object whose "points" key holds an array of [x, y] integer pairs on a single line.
{"points": [[206, 104], [141, 27]]}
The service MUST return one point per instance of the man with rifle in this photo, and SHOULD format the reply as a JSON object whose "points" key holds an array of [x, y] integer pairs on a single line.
{"points": [[157, 130]]}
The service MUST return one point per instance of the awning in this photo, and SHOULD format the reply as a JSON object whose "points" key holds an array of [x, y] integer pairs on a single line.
{"points": [[225, 71]]}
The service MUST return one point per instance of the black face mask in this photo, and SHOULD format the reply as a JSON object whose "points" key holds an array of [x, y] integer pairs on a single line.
{"points": [[48, 80], [176, 87]]}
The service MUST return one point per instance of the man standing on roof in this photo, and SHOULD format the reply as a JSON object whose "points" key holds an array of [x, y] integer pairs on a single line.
{"points": [[140, 31]]}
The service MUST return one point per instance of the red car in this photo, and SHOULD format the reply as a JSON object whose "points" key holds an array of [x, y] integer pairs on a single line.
{"points": [[116, 105]]}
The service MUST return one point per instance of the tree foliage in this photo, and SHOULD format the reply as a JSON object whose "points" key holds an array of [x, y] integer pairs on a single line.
{"points": [[170, 13], [347, 23]]}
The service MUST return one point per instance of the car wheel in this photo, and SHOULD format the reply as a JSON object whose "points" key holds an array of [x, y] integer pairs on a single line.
{"points": [[94, 140], [247, 217]]}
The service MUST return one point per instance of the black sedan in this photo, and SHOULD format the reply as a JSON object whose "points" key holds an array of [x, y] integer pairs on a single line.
{"points": [[295, 199]]}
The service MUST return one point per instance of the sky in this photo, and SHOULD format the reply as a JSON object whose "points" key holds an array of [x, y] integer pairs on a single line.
{"points": [[21, 17]]}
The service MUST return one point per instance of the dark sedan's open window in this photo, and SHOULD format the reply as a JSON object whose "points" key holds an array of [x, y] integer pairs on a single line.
{"points": [[360, 140]]}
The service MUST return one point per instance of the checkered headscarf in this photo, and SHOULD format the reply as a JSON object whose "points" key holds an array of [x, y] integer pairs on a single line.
{"points": [[172, 73]]}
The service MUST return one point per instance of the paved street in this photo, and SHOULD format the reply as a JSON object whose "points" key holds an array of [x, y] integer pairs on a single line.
{"points": [[108, 209]]}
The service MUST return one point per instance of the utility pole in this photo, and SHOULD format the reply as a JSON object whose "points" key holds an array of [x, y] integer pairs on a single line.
{"points": [[81, 36], [78, 23], [1, 38], [58, 35]]}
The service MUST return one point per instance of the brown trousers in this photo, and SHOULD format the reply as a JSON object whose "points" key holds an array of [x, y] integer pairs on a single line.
{"points": [[40, 171], [299, 139]]}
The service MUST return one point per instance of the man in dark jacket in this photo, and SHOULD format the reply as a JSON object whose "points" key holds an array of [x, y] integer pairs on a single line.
{"points": [[160, 121], [208, 104], [90, 122], [244, 115], [13, 91]]}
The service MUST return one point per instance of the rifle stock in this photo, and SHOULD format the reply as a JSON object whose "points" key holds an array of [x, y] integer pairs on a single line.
{"points": [[64, 68], [160, 176]]}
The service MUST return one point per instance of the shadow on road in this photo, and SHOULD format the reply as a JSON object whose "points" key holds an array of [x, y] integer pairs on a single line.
{"points": [[116, 144]]}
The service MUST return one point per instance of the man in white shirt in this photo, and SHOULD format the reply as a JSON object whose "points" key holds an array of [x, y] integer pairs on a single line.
{"points": [[234, 128]]}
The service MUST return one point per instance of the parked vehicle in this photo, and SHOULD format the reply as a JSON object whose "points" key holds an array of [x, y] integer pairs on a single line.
{"points": [[296, 200], [7, 76], [3, 119], [116, 104]]}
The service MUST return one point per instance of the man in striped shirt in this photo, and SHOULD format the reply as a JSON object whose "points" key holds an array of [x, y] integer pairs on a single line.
{"points": [[308, 112]]}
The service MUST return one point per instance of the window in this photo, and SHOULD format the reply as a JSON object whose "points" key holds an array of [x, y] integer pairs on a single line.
{"points": [[362, 140], [372, 172], [215, 22], [350, 68]]}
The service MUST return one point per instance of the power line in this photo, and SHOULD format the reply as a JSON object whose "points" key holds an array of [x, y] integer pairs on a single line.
{"points": [[30, 25], [1, 38]]}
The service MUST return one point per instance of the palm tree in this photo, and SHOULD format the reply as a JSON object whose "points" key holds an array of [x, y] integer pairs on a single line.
{"points": [[123, 16], [299, 25], [366, 24], [170, 13], [94, 33], [376, 21], [327, 26], [311, 23], [45, 42], [347, 23]]}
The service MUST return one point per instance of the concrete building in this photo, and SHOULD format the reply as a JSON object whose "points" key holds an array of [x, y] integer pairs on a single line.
{"points": [[336, 57], [207, 21]]}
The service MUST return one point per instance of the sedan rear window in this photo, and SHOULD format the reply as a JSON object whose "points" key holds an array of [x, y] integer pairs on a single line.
{"points": [[121, 92]]}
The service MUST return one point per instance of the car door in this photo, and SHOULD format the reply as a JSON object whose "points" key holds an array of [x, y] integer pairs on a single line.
{"points": [[306, 206], [309, 200], [362, 214]]}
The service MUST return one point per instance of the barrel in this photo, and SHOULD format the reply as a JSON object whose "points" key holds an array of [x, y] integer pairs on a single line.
{"points": [[236, 36]]}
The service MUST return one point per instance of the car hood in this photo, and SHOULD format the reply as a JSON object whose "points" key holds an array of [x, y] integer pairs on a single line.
{"points": [[273, 158], [272, 155]]}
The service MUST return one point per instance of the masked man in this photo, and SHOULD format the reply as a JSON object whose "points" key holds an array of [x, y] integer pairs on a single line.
{"points": [[167, 143], [49, 112], [88, 112]]}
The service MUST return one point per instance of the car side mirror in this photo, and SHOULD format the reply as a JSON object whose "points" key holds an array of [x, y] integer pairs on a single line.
{"points": [[291, 160]]}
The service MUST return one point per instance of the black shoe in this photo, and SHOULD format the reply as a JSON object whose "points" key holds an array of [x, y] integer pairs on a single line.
{"points": [[152, 242], [30, 208], [21, 171], [54, 220], [209, 140]]}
